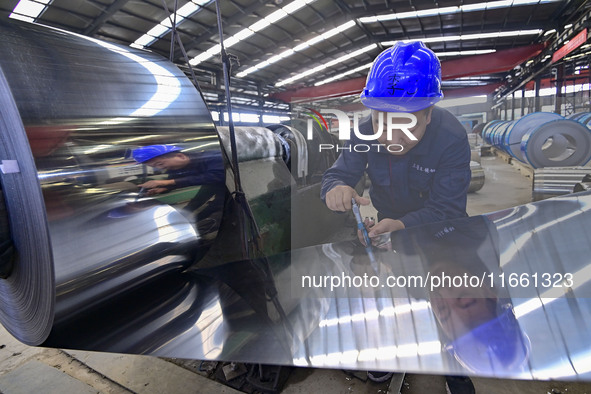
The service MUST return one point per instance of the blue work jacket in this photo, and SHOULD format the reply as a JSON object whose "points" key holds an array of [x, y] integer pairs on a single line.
{"points": [[427, 184], [204, 168]]}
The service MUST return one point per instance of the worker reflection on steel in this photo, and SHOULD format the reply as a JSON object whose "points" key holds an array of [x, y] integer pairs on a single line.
{"points": [[475, 316], [184, 169]]}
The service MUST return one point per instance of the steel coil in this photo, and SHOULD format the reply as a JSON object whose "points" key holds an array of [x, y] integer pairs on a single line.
{"points": [[557, 143], [477, 179], [512, 140], [542, 139], [555, 181], [84, 233]]}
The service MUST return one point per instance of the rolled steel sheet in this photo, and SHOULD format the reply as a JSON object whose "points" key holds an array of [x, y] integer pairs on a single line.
{"points": [[477, 177], [555, 181], [490, 130], [542, 139], [299, 159], [576, 116], [585, 119], [500, 132], [83, 229], [557, 143], [511, 141]]}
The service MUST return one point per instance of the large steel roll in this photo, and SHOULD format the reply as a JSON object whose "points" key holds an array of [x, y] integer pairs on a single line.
{"points": [[542, 139], [512, 139], [557, 143], [584, 118], [489, 129], [82, 229], [555, 181]]}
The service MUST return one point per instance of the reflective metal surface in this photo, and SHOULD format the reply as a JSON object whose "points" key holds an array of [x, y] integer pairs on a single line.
{"points": [[86, 105], [491, 319]]}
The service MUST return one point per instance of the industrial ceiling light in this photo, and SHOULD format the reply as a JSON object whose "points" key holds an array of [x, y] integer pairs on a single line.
{"points": [[400, 15], [465, 53], [464, 37], [368, 65], [29, 10], [298, 48], [255, 27], [488, 5], [342, 75], [326, 65], [165, 25]]}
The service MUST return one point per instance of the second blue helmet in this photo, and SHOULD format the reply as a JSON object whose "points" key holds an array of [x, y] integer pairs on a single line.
{"points": [[145, 153]]}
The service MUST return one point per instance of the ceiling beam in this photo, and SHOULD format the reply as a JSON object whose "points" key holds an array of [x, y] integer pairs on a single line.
{"points": [[489, 63], [108, 13], [285, 72]]}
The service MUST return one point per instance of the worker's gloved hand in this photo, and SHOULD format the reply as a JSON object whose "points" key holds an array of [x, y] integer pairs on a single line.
{"points": [[380, 233], [385, 226], [157, 186], [368, 223], [339, 198]]}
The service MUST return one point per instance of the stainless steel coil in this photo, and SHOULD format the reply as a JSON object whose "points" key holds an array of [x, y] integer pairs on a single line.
{"points": [[84, 233], [477, 179], [511, 141], [542, 139], [555, 181]]}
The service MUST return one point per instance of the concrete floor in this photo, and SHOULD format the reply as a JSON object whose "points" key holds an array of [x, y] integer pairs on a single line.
{"points": [[25, 369]]}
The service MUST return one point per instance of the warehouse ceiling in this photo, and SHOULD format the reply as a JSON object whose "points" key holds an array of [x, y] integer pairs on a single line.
{"points": [[284, 45]]}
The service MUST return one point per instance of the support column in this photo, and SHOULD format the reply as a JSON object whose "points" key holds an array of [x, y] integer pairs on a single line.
{"points": [[559, 85], [538, 82]]}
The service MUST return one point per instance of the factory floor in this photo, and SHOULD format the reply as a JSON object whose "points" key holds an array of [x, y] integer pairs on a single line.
{"points": [[26, 369]]}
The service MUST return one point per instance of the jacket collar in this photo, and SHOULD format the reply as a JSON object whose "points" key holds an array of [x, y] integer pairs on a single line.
{"points": [[424, 145]]}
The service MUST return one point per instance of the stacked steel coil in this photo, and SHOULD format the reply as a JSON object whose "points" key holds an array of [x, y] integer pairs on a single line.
{"points": [[477, 179], [542, 139], [555, 181], [582, 117]]}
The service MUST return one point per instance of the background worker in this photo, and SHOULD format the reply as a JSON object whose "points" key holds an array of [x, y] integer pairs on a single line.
{"points": [[424, 178], [204, 169]]}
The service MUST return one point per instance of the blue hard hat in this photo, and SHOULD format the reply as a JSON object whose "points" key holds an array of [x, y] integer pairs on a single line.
{"points": [[145, 153], [404, 78], [497, 345]]}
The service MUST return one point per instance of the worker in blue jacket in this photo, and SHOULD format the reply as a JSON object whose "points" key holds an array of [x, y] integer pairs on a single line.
{"points": [[419, 173], [413, 180], [184, 169]]}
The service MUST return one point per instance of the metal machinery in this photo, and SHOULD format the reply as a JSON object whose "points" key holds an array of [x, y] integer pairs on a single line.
{"points": [[89, 263]]}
